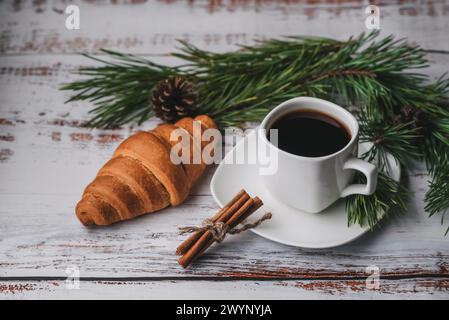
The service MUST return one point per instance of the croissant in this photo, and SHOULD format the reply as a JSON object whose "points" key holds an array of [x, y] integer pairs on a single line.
{"points": [[141, 178]]}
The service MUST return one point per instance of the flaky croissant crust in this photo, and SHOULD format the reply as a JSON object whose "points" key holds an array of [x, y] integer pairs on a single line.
{"points": [[140, 177]]}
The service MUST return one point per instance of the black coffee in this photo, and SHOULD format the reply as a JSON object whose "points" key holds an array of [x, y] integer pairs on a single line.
{"points": [[310, 133]]}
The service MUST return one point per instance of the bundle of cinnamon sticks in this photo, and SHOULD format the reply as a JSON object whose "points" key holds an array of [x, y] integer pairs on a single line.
{"points": [[240, 207]]}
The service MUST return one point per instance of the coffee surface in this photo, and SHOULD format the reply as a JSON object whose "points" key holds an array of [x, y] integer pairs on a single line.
{"points": [[309, 133]]}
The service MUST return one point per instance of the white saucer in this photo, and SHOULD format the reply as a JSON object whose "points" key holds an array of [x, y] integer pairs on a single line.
{"points": [[289, 226]]}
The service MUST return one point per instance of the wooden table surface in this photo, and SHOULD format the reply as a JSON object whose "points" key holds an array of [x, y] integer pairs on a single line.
{"points": [[47, 157]]}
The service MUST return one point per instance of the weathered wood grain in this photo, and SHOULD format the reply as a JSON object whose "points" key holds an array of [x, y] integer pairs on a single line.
{"points": [[38, 26], [47, 157], [50, 157], [41, 237], [219, 290]]}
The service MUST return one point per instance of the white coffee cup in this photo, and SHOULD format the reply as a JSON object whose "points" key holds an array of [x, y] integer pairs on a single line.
{"points": [[314, 183]]}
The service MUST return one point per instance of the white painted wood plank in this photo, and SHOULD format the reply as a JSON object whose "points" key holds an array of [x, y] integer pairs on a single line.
{"points": [[46, 159], [153, 26], [51, 159], [223, 290], [40, 236]]}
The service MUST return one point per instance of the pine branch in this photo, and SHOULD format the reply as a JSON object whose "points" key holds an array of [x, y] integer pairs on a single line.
{"points": [[119, 89], [436, 151], [345, 71], [390, 197], [242, 86], [399, 140]]}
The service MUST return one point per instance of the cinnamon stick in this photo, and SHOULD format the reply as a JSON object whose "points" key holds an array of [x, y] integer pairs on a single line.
{"points": [[190, 241], [234, 221], [207, 239]]}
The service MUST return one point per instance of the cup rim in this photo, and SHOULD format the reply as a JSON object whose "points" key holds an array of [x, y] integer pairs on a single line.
{"points": [[354, 129]]}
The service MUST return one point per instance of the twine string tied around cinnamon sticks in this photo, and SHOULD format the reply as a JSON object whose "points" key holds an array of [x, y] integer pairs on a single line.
{"points": [[219, 229], [225, 221]]}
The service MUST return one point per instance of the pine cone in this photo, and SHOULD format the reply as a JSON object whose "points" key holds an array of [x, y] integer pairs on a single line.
{"points": [[417, 117], [174, 98]]}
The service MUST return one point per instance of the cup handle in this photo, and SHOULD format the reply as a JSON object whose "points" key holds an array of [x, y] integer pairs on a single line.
{"points": [[370, 172]]}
